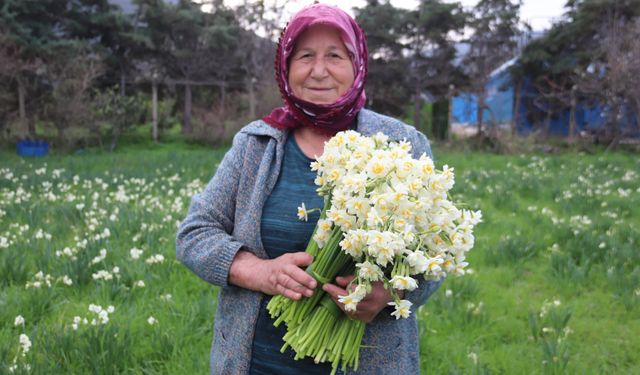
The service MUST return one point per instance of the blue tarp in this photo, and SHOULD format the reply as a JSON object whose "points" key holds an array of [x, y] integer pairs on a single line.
{"points": [[500, 98]]}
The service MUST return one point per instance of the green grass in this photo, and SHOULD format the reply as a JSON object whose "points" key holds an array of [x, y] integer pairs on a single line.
{"points": [[561, 227]]}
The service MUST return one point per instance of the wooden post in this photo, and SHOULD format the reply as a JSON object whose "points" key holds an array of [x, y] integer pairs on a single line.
{"points": [[516, 109], [418, 107], [154, 107], [572, 117], [21, 104], [252, 98], [450, 114], [123, 82], [186, 116], [480, 112]]}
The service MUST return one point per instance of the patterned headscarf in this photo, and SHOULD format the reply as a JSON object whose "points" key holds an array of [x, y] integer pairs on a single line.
{"points": [[325, 118]]}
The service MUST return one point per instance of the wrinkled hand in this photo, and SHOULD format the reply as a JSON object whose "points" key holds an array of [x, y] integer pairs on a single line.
{"points": [[370, 305], [282, 275]]}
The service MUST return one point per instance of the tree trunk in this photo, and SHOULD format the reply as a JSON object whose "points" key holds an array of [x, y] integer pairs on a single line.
{"points": [[494, 127], [60, 134], [547, 124], [31, 121], [114, 140], [638, 113], [572, 119], [21, 106], [223, 101], [418, 107], [480, 113], [154, 110], [252, 99], [123, 82], [186, 115], [449, 117], [516, 109]]}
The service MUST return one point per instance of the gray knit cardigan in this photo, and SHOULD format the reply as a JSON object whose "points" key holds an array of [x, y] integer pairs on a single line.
{"points": [[226, 216]]}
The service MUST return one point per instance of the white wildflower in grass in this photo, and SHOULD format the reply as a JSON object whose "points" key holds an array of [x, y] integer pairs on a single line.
{"points": [[166, 297], [139, 284], [302, 213], [152, 321], [67, 252], [100, 316], [135, 253], [19, 321], [157, 258], [40, 234], [76, 322], [4, 242], [102, 275], [66, 280], [25, 344], [100, 257], [39, 280]]}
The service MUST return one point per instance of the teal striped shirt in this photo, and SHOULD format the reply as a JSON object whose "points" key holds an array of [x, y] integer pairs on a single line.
{"points": [[282, 233]]}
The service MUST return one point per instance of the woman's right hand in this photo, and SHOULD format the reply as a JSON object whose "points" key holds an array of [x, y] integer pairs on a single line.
{"points": [[282, 275]]}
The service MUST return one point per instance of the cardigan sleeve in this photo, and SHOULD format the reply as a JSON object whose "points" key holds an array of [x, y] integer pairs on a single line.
{"points": [[425, 288], [204, 241]]}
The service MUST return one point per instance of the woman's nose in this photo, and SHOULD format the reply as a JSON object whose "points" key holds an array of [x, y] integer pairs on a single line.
{"points": [[319, 68]]}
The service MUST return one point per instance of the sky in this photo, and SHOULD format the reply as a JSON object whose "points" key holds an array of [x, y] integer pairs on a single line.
{"points": [[540, 14]]}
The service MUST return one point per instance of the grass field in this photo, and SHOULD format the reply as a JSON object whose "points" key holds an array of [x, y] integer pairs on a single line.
{"points": [[555, 287]]}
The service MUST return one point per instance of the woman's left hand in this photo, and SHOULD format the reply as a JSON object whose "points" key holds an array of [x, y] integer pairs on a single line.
{"points": [[370, 305]]}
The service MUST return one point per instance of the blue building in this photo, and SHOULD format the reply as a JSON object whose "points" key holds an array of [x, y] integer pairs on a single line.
{"points": [[529, 116]]}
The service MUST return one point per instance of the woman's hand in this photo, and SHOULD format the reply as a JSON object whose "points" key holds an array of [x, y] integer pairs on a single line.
{"points": [[370, 305], [282, 275]]}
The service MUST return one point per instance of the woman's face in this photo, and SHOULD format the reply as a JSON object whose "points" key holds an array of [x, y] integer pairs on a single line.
{"points": [[320, 68]]}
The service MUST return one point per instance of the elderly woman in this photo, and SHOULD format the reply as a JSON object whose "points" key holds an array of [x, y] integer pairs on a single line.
{"points": [[242, 234]]}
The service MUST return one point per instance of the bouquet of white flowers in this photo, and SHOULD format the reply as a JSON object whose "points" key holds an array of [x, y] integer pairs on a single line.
{"points": [[386, 217]]}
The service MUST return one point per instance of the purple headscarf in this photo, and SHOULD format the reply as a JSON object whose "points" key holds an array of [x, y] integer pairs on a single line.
{"points": [[326, 118]]}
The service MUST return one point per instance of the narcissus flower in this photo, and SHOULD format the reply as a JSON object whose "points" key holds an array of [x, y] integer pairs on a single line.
{"points": [[402, 309], [302, 213]]}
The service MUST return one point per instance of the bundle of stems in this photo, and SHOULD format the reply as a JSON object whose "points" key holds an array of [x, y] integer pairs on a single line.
{"points": [[316, 326]]}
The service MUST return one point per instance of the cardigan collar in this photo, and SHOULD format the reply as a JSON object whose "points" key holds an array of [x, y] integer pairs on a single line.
{"points": [[369, 123]]}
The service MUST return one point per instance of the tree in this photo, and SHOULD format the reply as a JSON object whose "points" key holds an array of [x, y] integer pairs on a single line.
{"points": [[195, 47], [116, 113], [13, 68], [495, 27], [387, 85], [431, 29], [118, 36], [32, 31], [588, 58], [255, 53], [70, 76]]}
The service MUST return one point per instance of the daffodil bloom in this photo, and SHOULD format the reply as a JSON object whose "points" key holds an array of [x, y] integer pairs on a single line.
{"points": [[404, 283], [302, 213], [25, 344], [350, 302], [402, 309], [18, 321], [369, 271]]}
